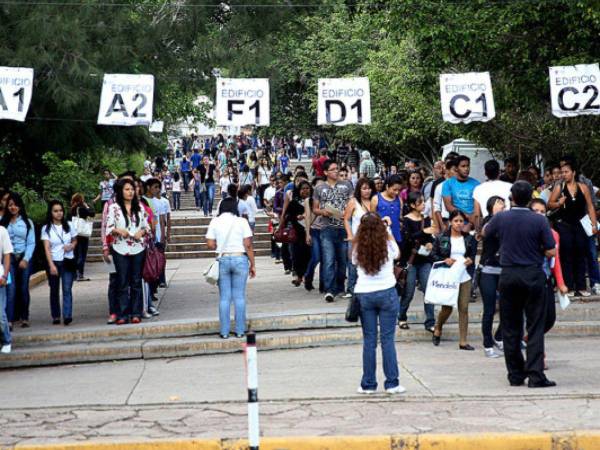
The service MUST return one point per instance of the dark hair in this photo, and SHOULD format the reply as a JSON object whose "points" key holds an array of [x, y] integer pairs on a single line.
{"points": [[537, 201], [451, 155], [343, 169], [571, 166], [49, 221], [413, 199], [462, 158], [128, 173], [232, 190], [511, 160], [456, 213], [451, 163], [244, 190], [392, 180], [120, 200], [297, 189], [359, 184], [327, 164], [492, 201], [18, 201], [176, 176], [316, 180], [537, 170], [492, 169], [229, 205], [418, 172], [151, 182], [521, 193], [370, 243], [302, 175]]}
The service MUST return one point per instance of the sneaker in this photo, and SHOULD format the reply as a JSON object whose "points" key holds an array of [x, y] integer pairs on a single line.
{"points": [[491, 353], [360, 390], [146, 315], [396, 390], [112, 319], [347, 295], [329, 297], [6, 349], [596, 289], [152, 310], [162, 285], [499, 345], [287, 272], [582, 294]]}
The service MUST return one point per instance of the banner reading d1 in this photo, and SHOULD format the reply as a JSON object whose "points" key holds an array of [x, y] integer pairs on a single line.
{"points": [[467, 97], [344, 101], [242, 101], [16, 87], [126, 100], [574, 90]]}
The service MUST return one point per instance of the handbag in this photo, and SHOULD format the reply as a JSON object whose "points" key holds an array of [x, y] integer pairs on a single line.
{"points": [[154, 264], [285, 234], [353, 309], [84, 227], [211, 274]]}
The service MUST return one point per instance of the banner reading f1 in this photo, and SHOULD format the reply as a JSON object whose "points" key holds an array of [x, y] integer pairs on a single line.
{"points": [[243, 101], [16, 88], [467, 97], [344, 101], [574, 90], [126, 100]]}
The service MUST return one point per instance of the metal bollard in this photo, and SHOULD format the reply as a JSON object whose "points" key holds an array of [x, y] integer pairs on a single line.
{"points": [[252, 381]]}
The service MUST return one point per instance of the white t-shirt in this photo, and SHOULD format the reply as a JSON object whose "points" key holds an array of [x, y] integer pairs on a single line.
{"points": [[457, 251], [5, 244], [177, 186], [249, 208], [269, 193], [438, 202], [308, 142], [484, 191], [263, 175], [237, 228], [384, 279], [161, 207], [58, 238], [224, 182]]}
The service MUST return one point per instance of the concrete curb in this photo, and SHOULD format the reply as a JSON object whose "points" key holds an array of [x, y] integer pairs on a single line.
{"points": [[585, 440]]}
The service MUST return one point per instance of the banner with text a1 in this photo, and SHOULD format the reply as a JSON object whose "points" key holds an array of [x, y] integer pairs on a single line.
{"points": [[574, 90], [467, 97], [16, 89], [126, 100], [242, 101], [344, 101]]}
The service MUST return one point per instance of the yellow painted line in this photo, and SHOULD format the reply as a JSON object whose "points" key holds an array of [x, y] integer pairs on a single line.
{"points": [[576, 440]]}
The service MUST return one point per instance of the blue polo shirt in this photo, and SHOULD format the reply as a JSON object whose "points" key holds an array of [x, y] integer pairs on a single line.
{"points": [[461, 193], [524, 236]]}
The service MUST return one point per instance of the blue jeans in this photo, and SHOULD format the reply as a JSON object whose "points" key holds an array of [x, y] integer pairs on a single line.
{"points": [[592, 262], [420, 271], [64, 277], [176, 200], [198, 196], [379, 306], [488, 286], [208, 198], [17, 293], [352, 271], [233, 276], [315, 257], [4, 329], [310, 151], [334, 250], [299, 154]]}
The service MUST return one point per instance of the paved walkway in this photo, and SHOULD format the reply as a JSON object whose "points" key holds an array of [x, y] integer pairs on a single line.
{"points": [[303, 392]]}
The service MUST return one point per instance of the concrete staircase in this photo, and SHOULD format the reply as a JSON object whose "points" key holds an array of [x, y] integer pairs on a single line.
{"points": [[188, 234]]}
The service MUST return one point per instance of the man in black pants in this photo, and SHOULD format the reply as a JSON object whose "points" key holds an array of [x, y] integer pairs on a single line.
{"points": [[525, 238]]}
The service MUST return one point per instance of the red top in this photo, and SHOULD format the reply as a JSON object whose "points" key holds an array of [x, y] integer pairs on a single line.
{"points": [[557, 269], [317, 164]]}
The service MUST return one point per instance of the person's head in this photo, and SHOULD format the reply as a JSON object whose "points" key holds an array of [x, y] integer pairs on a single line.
{"points": [[492, 169], [556, 174], [281, 182], [526, 175], [566, 159], [495, 204], [232, 190], [411, 164], [451, 155], [176, 176], [537, 205], [205, 160], [153, 187], [14, 208], [229, 206], [415, 180], [451, 166], [253, 156], [393, 185], [303, 190], [244, 191], [370, 243], [273, 181], [457, 221], [331, 170], [416, 202], [343, 174], [548, 176], [463, 168], [77, 200], [511, 166], [364, 190], [106, 174], [569, 172], [299, 169], [521, 193], [535, 172], [379, 183], [56, 215], [3, 200], [438, 169], [300, 176]]}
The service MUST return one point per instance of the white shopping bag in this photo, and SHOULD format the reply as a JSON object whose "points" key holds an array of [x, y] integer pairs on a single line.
{"points": [[443, 284], [563, 299]]}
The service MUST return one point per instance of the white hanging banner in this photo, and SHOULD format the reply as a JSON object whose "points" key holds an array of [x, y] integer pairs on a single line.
{"points": [[126, 100], [574, 90], [243, 101], [16, 88], [157, 126], [344, 101], [467, 97]]}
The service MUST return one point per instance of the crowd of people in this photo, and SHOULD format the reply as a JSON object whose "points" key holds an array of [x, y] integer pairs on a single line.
{"points": [[375, 234]]}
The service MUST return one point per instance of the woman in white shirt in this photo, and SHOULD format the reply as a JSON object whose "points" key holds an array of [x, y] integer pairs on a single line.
{"points": [[177, 184], [374, 251], [127, 226], [231, 237], [59, 244], [224, 182]]}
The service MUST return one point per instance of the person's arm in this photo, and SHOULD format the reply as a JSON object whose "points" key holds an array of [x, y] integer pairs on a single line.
{"points": [[6, 264], [557, 269], [590, 207], [348, 217], [250, 252], [111, 225], [29, 247], [48, 253], [447, 199], [556, 200], [476, 216]]}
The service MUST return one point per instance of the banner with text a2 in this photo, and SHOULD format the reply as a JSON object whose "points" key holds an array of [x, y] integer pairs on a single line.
{"points": [[467, 97], [16, 89], [243, 101], [574, 90], [344, 101], [126, 100]]}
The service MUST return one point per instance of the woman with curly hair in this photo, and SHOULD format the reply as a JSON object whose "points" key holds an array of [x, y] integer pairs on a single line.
{"points": [[374, 251]]}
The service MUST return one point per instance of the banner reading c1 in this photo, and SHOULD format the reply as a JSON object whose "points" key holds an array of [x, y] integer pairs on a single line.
{"points": [[242, 101], [344, 101], [16, 89], [574, 90], [467, 97], [126, 100]]}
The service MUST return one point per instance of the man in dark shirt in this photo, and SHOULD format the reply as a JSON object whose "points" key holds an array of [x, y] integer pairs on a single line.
{"points": [[525, 239], [511, 169]]}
